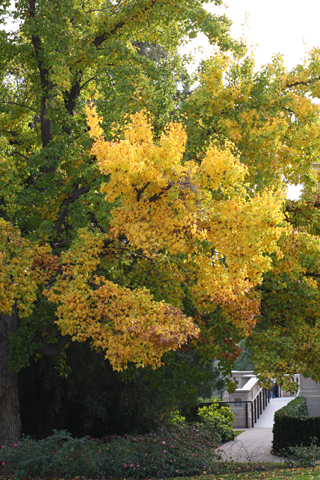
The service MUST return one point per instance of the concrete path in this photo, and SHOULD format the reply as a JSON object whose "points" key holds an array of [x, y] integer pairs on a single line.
{"points": [[254, 444]]}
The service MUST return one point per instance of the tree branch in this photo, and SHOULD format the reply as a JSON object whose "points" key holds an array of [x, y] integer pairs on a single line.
{"points": [[140, 192], [92, 78], [74, 196], [70, 103], [311, 274], [288, 110], [19, 105], [2, 212], [298, 83], [157, 196], [52, 349], [104, 36]]}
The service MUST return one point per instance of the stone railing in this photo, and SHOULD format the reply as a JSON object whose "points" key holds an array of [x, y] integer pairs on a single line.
{"points": [[248, 401]]}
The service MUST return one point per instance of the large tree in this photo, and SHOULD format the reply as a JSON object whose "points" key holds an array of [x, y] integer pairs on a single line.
{"points": [[136, 218], [110, 244], [272, 119]]}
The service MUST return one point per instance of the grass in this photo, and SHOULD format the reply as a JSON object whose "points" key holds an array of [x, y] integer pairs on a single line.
{"points": [[278, 473], [271, 472]]}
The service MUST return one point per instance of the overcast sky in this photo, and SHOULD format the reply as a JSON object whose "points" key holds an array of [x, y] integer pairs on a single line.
{"points": [[276, 26]]}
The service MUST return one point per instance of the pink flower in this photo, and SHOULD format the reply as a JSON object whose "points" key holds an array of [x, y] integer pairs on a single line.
{"points": [[53, 453], [125, 466], [15, 445], [163, 443], [3, 463], [132, 465], [164, 451], [172, 446], [3, 446]]}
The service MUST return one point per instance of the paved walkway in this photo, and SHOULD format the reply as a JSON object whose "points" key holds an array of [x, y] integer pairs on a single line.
{"points": [[254, 444]]}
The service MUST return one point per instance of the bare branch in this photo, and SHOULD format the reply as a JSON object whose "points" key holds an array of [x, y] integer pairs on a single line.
{"points": [[19, 105]]}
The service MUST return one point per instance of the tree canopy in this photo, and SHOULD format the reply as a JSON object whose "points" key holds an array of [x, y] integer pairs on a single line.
{"points": [[144, 219]]}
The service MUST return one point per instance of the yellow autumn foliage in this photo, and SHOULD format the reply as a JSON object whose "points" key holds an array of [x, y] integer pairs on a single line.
{"points": [[17, 288], [128, 324], [203, 211]]}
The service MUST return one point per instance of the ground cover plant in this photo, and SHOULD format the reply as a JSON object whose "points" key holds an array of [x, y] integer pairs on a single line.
{"points": [[182, 450], [277, 474], [234, 471]]}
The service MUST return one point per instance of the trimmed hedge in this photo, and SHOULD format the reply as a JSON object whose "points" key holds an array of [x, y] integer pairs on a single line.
{"points": [[292, 426]]}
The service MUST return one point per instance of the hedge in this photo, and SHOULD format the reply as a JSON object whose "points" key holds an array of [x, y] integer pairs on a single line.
{"points": [[293, 427]]}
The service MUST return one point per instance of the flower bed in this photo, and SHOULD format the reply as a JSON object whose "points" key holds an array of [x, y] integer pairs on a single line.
{"points": [[182, 450]]}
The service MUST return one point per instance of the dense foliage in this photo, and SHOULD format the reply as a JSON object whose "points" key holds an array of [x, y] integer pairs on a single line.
{"points": [[143, 211], [303, 456], [55, 222], [79, 391], [181, 451], [292, 426], [220, 418]]}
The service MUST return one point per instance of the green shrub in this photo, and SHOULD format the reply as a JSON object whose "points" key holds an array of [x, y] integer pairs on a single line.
{"points": [[295, 408], [59, 454], [220, 418], [176, 418], [292, 426], [302, 456], [183, 450]]}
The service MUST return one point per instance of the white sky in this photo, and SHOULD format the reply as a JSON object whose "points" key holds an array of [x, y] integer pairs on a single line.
{"points": [[276, 26], [288, 27]]}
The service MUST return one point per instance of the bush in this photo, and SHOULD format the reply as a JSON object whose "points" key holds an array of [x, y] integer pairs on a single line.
{"points": [[176, 418], [295, 408], [59, 454], [302, 456], [220, 418], [292, 426], [183, 450]]}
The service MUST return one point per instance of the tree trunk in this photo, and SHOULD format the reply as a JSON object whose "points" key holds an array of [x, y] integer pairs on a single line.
{"points": [[10, 424]]}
